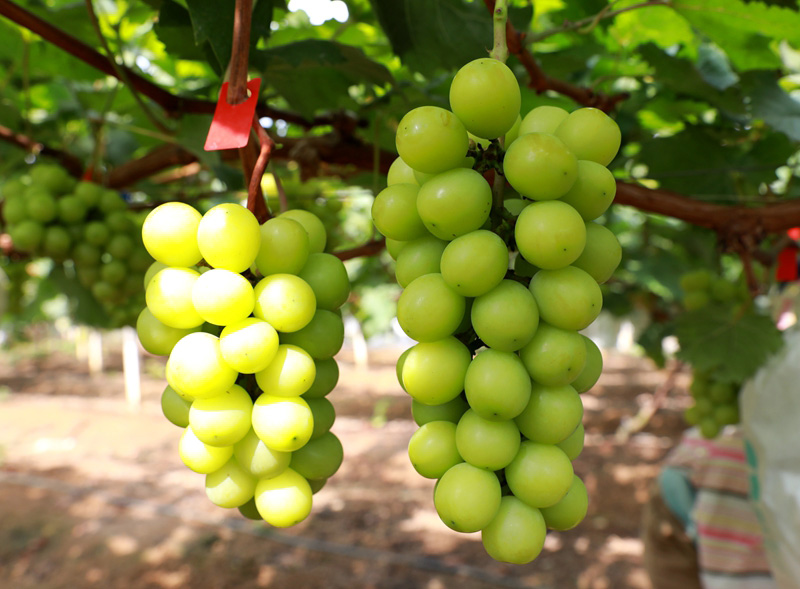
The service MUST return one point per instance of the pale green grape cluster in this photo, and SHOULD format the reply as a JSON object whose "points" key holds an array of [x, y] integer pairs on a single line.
{"points": [[716, 401], [84, 226], [250, 318], [499, 429]]}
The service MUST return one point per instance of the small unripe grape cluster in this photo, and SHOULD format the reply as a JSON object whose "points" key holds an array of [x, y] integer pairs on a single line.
{"points": [[47, 213], [499, 429], [716, 401], [716, 404], [250, 318]]}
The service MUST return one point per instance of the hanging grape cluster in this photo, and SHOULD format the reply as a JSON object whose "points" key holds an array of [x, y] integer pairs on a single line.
{"points": [[250, 318], [83, 226], [496, 376], [716, 400]]}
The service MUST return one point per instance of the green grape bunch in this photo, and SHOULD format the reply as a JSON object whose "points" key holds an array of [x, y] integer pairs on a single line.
{"points": [[84, 226], [715, 400], [249, 317], [496, 289]]}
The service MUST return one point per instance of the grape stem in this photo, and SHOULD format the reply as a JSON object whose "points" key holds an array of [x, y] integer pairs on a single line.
{"points": [[500, 16]]}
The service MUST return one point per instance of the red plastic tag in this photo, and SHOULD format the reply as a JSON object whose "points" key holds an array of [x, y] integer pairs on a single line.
{"points": [[230, 127], [787, 265]]}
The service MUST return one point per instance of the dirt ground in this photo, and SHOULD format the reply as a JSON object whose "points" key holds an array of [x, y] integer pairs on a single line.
{"points": [[93, 493]]}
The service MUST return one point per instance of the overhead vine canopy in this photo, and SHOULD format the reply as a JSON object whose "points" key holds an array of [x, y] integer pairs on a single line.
{"points": [[703, 90]]}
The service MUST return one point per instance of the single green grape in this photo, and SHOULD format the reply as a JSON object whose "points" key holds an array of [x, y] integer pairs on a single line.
{"points": [[573, 444], [506, 317], [400, 173], [568, 298], [320, 458], [485, 96], [540, 474], [327, 277], [169, 297], [224, 419], [283, 423], [491, 371], [467, 498], [542, 119], [450, 411], [540, 166], [327, 376], [487, 443], [157, 338], [552, 414], [433, 372], [201, 457], [290, 374], [88, 253], [602, 253], [516, 533], [285, 301], [174, 407], [554, 356], [454, 202], [196, 368], [474, 263], [591, 135], [592, 369], [321, 338], [550, 234], [432, 449], [394, 247], [323, 413], [284, 247], [570, 511], [259, 459], [229, 237], [419, 257], [283, 500], [429, 310], [593, 191], [248, 346], [431, 139], [231, 485], [223, 297], [317, 236], [395, 213]]}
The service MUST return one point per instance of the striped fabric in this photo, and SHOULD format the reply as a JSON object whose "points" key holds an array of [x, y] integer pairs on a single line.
{"points": [[727, 533]]}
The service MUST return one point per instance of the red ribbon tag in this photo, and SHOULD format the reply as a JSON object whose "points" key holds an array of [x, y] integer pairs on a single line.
{"points": [[787, 265], [230, 127]]}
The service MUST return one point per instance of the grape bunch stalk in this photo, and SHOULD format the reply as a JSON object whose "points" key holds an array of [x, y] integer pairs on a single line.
{"points": [[249, 316], [498, 282]]}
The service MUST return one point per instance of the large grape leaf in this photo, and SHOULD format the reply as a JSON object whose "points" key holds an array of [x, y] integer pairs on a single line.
{"points": [[772, 104], [430, 35], [743, 30], [316, 74], [728, 344]]}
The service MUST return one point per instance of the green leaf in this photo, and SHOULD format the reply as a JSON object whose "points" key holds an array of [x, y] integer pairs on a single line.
{"points": [[730, 345], [743, 30], [773, 105], [317, 74], [680, 76], [174, 30], [432, 35], [714, 67]]}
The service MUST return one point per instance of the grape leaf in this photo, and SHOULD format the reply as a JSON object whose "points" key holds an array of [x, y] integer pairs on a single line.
{"points": [[430, 35], [739, 28], [732, 346], [714, 67], [316, 74], [773, 105]]}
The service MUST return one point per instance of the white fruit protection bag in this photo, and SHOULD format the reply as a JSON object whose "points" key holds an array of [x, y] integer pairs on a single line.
{"points": [[770, 414]]}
